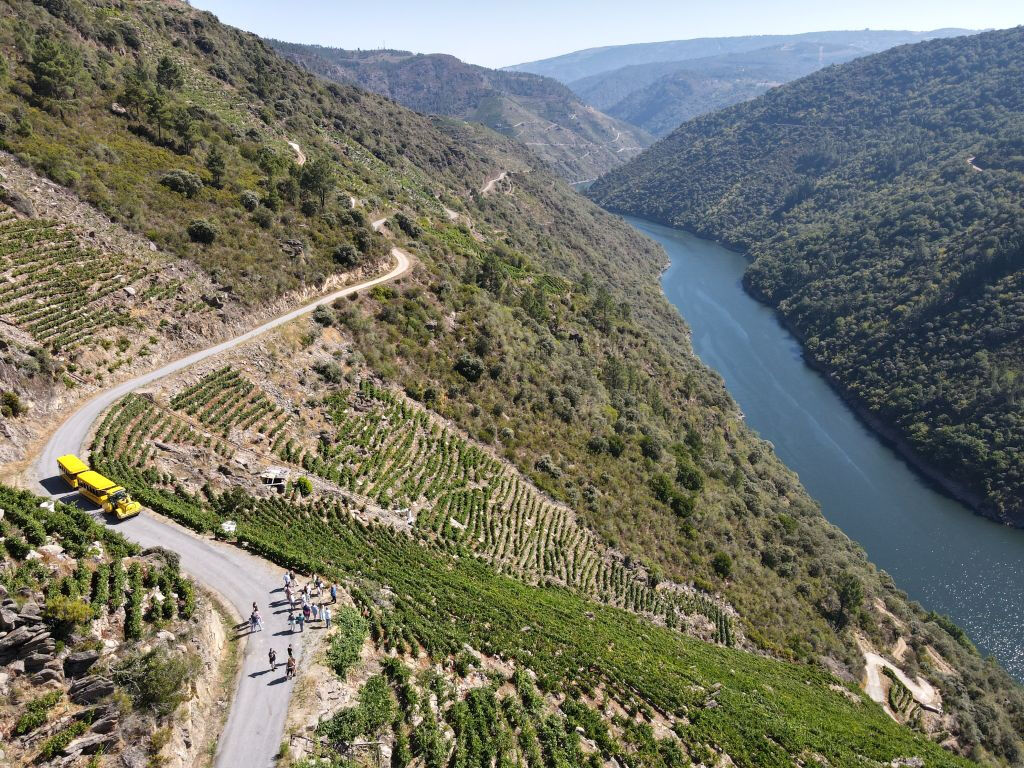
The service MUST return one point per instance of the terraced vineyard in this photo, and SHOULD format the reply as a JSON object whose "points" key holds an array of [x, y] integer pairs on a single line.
{"points": [[420, 598], [55, 288], [387, 452], [224, 400]]}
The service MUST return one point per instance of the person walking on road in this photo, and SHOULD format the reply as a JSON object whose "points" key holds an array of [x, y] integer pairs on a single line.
{"points": [[334, 593], [290, 668], [291, 625], [301, 619], [273, 660], [259, 620], [327, 616]]}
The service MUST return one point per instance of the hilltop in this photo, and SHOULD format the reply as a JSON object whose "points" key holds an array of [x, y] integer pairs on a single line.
{"points": [[576, 140], [879, 203], [658, 86], [590, 511]]}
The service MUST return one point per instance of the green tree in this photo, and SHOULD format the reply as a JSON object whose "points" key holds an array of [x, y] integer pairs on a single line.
{"points": [[317, 179], [55, 70], [216, 165], [135, 93], [158, 110], [169, 76]]}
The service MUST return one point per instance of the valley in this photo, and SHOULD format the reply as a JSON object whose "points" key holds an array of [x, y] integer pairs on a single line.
{"points": [[312, 330]]}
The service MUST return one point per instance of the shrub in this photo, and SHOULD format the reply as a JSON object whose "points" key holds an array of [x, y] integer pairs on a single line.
{"points": [[11, 405], [305, 485], [35, 713], [469, 367], [328, 370], [202, 231], [346, 255], [17, 547], [249, 200], [182, 182], [263, 218], [407, 225], [157, 680], [721, 563]]}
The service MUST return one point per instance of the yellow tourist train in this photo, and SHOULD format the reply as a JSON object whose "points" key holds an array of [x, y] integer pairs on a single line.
{"points": [[95, 487]]}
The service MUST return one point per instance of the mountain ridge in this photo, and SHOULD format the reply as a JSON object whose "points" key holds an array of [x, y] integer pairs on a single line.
{"points": [[542, 114]]}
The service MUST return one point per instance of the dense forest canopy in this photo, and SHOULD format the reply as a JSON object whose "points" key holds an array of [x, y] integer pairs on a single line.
{"points": [[880, 202]]}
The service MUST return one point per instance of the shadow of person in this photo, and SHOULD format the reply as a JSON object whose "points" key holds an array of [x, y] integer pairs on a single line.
{"points": [[279, 680]]}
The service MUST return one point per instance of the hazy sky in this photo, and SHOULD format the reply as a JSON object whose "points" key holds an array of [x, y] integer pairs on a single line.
{"points": [[512, 31]]}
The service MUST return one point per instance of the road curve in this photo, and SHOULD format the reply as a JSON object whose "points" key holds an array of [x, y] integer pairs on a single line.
{"points": [[255, 725]]}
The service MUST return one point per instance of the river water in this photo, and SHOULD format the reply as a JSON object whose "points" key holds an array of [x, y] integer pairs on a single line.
{"points": [[944, 556]]}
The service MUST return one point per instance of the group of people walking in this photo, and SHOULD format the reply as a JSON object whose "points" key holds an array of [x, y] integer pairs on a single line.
{"points": [[301, 609]]}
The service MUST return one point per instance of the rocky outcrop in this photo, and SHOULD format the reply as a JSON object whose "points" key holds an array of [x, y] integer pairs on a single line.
{"points": [[80, 662], [89, 690]]}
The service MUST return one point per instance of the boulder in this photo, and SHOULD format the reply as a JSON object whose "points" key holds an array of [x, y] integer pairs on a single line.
{"points": [[78, 663], [30, 613], [8, 619], [89, 690], [89, 744], [11, 643], [40, 642], [36, 661], [106, 722], [47, 675]]}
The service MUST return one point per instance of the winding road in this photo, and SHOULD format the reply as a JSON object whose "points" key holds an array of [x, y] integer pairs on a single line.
{"points": [[255, 725]]}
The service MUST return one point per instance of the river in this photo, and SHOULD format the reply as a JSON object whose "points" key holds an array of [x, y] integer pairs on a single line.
{"points": [[938, 551]]}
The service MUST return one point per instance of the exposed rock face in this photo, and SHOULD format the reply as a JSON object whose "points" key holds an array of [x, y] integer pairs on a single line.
{"points": [[77, 664], [89, 690]]}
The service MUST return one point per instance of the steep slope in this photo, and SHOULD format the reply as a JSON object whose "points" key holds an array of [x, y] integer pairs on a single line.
{"points": [[576, 140], [880, 202], [680, 91], [574, 66], [533, 322]]}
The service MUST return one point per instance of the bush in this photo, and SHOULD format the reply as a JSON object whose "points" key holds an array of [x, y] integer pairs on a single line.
{"points": [[157, 680], [721, 563], [249, 200], [328, 370], [11, 405], [35, 713], [182, 182], [407, 225], [202, 231], [64, 613], [305, 485], [346, 255], [469, 367], [263, 218], [17, 547]]}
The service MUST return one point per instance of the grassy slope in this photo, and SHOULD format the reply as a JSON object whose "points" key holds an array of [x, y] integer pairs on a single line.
{"points": [[560, 304]]}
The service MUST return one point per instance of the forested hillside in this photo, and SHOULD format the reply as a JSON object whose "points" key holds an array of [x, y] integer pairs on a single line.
{"points": [[578, 142], [880, 203], [534, 324]]}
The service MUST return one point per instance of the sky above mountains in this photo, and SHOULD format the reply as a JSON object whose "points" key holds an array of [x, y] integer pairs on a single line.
{"points": [[500, 34]]}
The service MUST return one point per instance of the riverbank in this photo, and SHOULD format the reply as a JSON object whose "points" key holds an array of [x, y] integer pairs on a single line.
{"points": [[936, 549], [889, 435]]}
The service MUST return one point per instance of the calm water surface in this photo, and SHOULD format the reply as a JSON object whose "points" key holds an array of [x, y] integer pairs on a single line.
{"points": [[937, 550]]}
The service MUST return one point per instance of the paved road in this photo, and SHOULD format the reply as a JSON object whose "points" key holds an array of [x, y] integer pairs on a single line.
{"points": [[255, 724]]}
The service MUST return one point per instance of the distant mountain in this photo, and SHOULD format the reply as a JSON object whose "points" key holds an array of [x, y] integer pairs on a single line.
{"points": [[591, 61], [657, 86], [578, 141], [679, 91], [880, 202]]}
